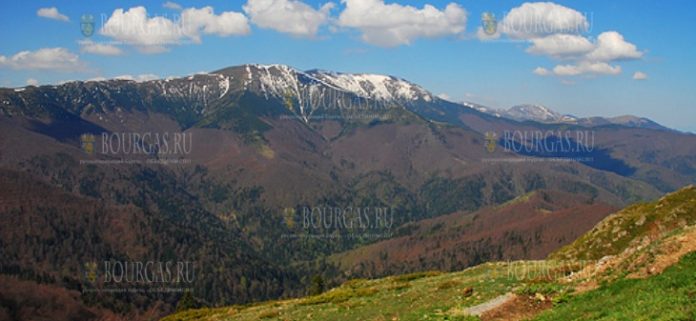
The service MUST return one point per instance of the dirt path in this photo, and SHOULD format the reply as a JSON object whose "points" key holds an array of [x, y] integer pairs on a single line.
{"points": [[482, 308], [519, 308]]}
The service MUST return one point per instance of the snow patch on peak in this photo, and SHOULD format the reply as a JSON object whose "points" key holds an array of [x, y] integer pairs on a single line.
{"points": [[481, 108], [533, 112], [375, 86]]}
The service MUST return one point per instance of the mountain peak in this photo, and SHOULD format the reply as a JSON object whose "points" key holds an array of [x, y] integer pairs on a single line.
{"points": [[534, 112], [374, 86], [279, 78]]}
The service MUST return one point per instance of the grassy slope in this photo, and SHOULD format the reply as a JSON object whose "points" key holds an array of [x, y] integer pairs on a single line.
{"points": [[648, 221], [418, 296], [667, 296], [648, 234]]}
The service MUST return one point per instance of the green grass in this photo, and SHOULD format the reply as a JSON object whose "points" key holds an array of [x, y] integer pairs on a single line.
{"points": [[441, 296], [668, 296], [615, 233], [416, 296]]}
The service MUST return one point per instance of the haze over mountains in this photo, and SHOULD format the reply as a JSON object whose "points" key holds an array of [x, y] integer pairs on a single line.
{"points": [[543, 114], [228, 163]]}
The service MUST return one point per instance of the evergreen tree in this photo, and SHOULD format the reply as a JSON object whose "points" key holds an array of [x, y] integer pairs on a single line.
{"points": [[317, 286], [186, 302]]}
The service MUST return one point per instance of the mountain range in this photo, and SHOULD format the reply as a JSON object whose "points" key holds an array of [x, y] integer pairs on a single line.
{"points": [[542, 114], [222, 168]]}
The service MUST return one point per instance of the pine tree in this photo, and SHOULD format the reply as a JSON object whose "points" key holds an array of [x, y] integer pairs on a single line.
{"points": [[317, 286], [186, 302]]}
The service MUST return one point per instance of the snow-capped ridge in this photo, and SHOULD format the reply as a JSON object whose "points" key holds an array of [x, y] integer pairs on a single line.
{"points": [[374, 86], [278, 80]]}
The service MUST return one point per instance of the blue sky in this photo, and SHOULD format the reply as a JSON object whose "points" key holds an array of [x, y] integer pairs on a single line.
{"points": [[586, 71]]}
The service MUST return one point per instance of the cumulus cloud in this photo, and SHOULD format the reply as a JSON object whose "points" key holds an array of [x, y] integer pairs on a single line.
{"points": [[541, 71], [92, 47], [538, 19], [138, 78], [584, 67], [590, 58], [611, 46], [561, 46], [556, 31], [152, 35], [172, 5], [206, 21], [58, 59], [639, 75], [288, 16], [136, 28], [390, 25], [52, 13]]}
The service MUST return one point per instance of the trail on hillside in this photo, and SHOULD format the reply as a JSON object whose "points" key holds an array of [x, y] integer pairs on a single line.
{"points": [[491, 304]]}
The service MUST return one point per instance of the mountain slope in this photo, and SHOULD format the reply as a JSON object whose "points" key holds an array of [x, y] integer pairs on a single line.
{"points": [[539, 290], [48, 235], [638, 223], [268, 143], [528, 227]]}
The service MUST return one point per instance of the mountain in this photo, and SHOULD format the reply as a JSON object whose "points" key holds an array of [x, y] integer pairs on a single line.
{"points": [[228, 169], [542, 114], [537, 113], [653, 279], [530, 227], [635, 226], [633, 121]]}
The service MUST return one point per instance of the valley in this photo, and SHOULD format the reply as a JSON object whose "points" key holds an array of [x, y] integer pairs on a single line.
{"points": [[259, 147]]}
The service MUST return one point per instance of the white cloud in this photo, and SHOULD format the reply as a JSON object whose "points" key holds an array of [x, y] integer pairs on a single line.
{"points": [[288, 16], [135, 28], [205, 20], [92, 47], [561, 46], [555, 31], [59, 59], [444, 96], [537, 19], [52, 13], [589, 58], [390, 25], [172, 5], [152, 35], [611, 46], [639, 75], [138, 78], [584, 67], [541, 71], [32, 82]]}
